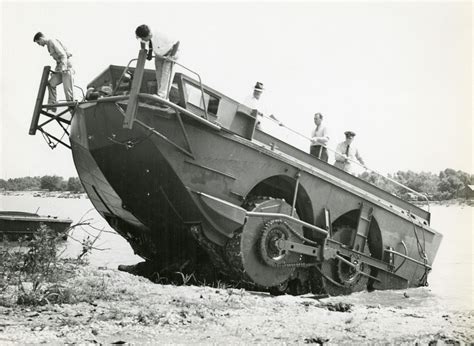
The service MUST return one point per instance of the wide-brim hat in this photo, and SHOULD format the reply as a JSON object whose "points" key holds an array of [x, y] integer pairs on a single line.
{"points": [[258, 86], [349, 133]]}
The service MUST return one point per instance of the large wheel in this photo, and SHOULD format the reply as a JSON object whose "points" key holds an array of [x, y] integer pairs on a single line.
{"points": [[254, 253], [341, 278]]}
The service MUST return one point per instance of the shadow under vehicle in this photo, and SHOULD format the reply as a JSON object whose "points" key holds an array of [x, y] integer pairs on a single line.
{"points": [[192, 174]]}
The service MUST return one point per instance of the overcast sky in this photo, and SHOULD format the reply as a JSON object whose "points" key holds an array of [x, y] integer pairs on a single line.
{"points": [[399, 74]]}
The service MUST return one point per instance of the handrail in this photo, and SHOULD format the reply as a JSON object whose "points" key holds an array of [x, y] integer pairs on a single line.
{"points": [[174, 62], [123, 74], [408, 258], [179, 108], [354, 161], [199, 77]]}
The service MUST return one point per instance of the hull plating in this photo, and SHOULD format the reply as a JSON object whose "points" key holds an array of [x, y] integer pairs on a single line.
{"points": [[143, 181]]}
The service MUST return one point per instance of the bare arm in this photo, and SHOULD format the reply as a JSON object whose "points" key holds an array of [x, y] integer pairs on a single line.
{"points": [[358, 157], [320, 140]]}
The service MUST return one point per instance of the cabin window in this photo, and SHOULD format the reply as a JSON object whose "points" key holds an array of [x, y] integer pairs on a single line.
{"points": [[194, 97]]}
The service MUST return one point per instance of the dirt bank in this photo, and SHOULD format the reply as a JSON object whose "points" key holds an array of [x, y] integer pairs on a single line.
{"points": [[119, 307]]}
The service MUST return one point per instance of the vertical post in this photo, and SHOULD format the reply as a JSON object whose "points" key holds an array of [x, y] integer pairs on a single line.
{"points": [[39, 100], [293, 207], [137, 82]]}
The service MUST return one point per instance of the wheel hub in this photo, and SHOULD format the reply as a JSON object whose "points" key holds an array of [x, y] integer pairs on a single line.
{"points": [[348, 274], [274, 231], [255, 252]]}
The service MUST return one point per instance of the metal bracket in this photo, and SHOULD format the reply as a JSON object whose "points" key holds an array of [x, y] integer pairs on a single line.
{"points": [[298, 248], [136, 84]]}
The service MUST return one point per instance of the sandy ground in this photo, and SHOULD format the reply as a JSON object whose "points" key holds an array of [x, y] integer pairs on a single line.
{"points": [[122, 308]]}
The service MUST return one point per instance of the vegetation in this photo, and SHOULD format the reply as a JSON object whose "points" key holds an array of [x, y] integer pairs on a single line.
{"points": [[448, 184], [34, 271], [443, 186], [47, 182]]}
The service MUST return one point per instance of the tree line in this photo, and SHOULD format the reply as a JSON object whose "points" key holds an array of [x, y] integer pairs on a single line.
{"points": [[448, 184], [46, 182]]}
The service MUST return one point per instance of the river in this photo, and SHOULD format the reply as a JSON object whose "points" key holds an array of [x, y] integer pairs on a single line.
{"points": [[451, 280]]}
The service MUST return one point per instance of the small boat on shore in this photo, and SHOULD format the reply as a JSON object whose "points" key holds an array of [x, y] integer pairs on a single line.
{"points": [[15, 224]]}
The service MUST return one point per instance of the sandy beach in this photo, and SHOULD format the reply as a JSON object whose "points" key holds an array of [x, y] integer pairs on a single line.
{"points": [[117, 307], [110, 306]]}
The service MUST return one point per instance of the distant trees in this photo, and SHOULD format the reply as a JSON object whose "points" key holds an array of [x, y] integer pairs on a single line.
{"points": [[446, 185], [74, 185], [451, 182], [47, 182], [51, 182], [20, 184]]}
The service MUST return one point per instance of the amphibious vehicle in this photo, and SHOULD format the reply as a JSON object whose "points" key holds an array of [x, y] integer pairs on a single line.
{"points": [[191, 174]]}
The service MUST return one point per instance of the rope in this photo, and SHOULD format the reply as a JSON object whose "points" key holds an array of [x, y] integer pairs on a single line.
{"points": [[421, 252], [404, 259], [131, 143]]}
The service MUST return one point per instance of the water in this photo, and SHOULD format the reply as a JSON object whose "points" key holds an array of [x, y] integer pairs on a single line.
{"points": [[452, 276], [114, 249], [451, 281]]}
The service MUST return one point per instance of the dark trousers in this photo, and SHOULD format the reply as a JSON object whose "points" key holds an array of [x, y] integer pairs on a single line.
{"points": [[320, 152]]}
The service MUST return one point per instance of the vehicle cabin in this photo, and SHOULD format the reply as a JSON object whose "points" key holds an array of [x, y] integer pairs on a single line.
{"points": [[185, 92]]}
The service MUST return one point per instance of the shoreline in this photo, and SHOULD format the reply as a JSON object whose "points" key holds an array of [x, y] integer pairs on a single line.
{"points": [[83, 195], [116, 306], [45, 194], [121, 307]]}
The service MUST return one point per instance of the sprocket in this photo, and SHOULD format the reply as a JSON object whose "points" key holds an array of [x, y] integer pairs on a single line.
{"points": [[253, 252]]}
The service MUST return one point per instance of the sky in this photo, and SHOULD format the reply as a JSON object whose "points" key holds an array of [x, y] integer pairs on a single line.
{"points": [[397, 73]]}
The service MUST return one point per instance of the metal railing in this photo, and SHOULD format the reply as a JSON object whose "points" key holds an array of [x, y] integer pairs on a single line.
{"points": [[125, 70], [173, 61]]}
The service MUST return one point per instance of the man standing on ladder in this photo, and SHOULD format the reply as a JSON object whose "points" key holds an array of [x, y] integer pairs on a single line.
{"points": [[63, 72], [165, 51]]}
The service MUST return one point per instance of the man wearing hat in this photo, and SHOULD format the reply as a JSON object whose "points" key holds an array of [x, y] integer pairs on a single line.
{"points": [[346, 152], [253, 101]]}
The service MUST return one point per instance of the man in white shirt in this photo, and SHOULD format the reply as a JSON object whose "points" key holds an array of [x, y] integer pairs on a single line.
{"points": [[253, 101], [345, 151], [63, 71], [165, 50], [319, 139]]}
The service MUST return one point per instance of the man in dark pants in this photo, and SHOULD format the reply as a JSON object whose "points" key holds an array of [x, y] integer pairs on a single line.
{"points": [[319, 139], [165, 50]]}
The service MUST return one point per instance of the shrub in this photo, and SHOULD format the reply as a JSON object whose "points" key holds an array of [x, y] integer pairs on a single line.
{"points": [[36, 271]]}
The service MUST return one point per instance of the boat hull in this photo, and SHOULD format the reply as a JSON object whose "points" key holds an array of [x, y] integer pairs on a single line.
{"points": [[15, 225], [150, 184]]}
